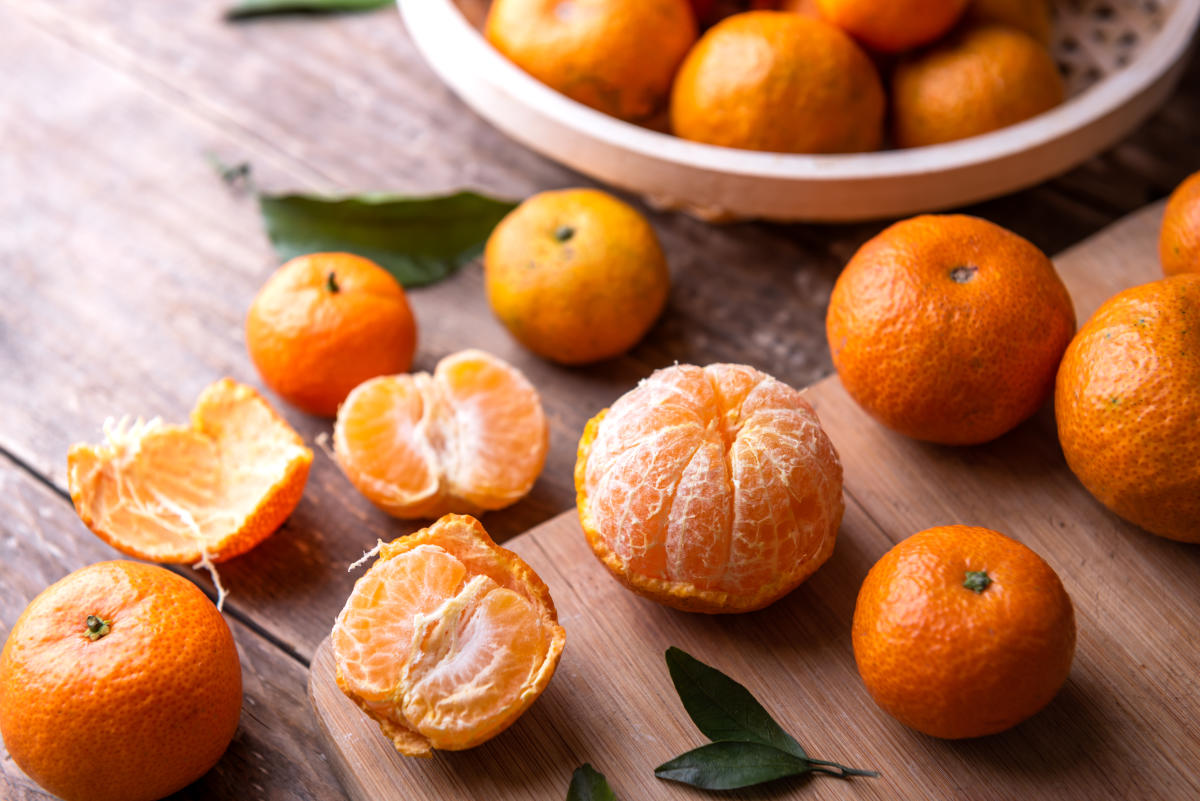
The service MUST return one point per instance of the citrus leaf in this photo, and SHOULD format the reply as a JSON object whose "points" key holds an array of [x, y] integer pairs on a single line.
{"points": [[419, 240], [589, 784], [729, 765], [258, 8], [723, 709]]}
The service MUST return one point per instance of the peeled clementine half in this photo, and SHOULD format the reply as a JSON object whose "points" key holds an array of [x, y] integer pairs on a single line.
{"points": [[186, 493], [446, 639], [470, 437], [709, 489]]}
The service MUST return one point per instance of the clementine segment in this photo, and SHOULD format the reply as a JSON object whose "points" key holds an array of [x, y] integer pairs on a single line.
{"points": [[210, 490], [119, 682], [894, 25], [709, 489], [447, 639], [1179, 237], [778, 81], [960, 631], [576, 275], [470, 437], [1127, 403], [326, 322], [618, 56], [949, 328]]}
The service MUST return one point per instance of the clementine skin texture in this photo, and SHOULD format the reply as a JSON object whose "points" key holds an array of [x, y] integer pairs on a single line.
{"points": [[949, 328], [709, 489], [1127, 402], [617, 56], [895, 25], [1179, 237], [976, 81], [131, 704], [780, 82], [576, 275], [960, 631], [326, 322]]}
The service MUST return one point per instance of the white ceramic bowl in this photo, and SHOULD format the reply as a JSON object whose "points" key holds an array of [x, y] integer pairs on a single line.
{"points": [[1125, 55]]}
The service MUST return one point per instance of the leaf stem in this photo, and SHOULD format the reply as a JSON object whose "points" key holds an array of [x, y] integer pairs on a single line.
{"points": [[837, 769]]}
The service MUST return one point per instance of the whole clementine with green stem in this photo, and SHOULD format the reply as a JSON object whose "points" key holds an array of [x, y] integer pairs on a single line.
{"points": [[1127, 402], [324, 323], [960, 631], [949, 328], [1179, 237], [576, 275], [119, 682]]}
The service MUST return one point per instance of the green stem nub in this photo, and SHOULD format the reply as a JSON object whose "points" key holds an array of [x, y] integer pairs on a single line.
{"points": [[564, 232], [331, 283], [977, 580], [961, 275], [97, 627]]}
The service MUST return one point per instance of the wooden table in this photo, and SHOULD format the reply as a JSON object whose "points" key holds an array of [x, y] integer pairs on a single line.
{"points": [[128, 267]]}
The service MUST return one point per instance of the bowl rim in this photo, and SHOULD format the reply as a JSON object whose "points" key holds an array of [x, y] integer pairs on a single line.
{"points": [[1157, 57]]}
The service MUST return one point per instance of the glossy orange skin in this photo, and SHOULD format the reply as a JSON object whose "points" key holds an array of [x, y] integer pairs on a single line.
{"points": [[780, 82], [1031, 16], [312, 345], [135, 715], [978, 80], [617, 56], [1179, 237], [582, 297], [941, 360], [895, 25], [949, 661], [1127, 403]]}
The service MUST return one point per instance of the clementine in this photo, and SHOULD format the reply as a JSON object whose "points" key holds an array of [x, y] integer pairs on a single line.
{"points": [[1031, 16], [119, 682], [209, 491], [326, 322], [1128, 405], [446, 639], [618, 56], [778, 81], [895, 25], [1179, 237], [709, 489], [960, 631], [576, 275], [978, 80], [949, 328], [470, 437]]}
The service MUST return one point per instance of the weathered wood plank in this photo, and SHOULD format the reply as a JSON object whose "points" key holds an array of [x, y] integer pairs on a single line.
{"points": [[276, 753]]}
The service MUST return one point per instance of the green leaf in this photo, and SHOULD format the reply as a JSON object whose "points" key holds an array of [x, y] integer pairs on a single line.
{"points": [[258, 8], [729, 765], [419, 240], [589, 784], [723, 709]]}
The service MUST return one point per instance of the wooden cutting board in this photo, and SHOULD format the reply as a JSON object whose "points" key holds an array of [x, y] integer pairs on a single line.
{"points": [[1125, 726]]}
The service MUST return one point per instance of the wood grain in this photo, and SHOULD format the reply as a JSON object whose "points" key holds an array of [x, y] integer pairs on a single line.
{"points": [[1122, 727]]}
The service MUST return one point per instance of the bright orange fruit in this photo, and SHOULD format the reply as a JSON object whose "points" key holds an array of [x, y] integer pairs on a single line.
{"points": [[1179, 237], [949, 328], [960, 631], [894, 25], [326, 322], [1031, 16], [1128, 406], [446, 639], [119, 682], [709, 489], [210, 490], [470, 437]]}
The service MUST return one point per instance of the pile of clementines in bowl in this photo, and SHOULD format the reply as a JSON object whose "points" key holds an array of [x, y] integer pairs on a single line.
{"points": [[711, 489], [792, 76]]}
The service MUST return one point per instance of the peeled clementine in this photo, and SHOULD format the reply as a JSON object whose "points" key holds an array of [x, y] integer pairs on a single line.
{"points": [[472, 436], [949, 328], [446, 639], [119, 682], [709, 489], [1128, 406], [206, 491], [960, 631]]}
